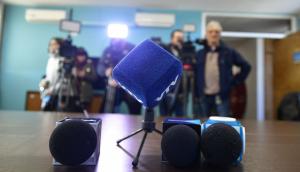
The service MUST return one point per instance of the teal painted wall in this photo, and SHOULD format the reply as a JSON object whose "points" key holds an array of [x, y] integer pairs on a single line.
{"points": [[24, 48]]}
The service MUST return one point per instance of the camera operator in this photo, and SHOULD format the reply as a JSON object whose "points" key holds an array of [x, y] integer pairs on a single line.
{"points": [[173, 101], [112, 55], [214, 72], [84, 74], [47, 84]]}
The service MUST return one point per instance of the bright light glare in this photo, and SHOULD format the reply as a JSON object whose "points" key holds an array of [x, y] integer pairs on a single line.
{"points": [[117, 31]]}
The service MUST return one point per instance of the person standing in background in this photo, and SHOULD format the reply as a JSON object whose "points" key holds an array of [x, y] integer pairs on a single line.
{"points": [[173, 101], [214, 76], [52, 74], [84, 75], [114, 96]]}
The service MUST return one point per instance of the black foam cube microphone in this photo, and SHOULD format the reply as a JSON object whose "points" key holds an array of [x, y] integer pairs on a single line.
{"points": [[181, 142], [223, 141], [76, 141]]}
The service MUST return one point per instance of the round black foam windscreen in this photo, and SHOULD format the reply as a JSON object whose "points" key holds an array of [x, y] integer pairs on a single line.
{"points": [[181, 145], [221, 145], [73, 142]]}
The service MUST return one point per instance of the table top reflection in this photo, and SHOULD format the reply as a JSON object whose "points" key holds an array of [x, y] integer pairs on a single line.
{"points": [[271, 145]]}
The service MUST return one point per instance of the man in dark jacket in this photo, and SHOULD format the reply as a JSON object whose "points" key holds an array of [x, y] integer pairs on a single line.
{"points": [[115, 95], [173, 101], [214, 72], [84, 75]]}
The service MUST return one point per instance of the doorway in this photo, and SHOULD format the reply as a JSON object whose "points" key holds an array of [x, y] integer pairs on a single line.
{"points": [[247, 33], [247, 48]]}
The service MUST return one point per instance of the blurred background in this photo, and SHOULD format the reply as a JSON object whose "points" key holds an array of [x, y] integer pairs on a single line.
{"points": [[264, 32]]}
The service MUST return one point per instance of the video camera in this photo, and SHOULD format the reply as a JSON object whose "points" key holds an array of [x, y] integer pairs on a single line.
{"points": [[188, 53], [67, 50]]}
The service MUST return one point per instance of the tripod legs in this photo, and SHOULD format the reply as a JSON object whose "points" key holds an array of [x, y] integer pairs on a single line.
{"points": [[132, 134], [136, 159], [157, 131], [148, 126]]}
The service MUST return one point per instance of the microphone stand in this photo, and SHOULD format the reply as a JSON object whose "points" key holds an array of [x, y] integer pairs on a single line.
{"points": [[148, 126]]}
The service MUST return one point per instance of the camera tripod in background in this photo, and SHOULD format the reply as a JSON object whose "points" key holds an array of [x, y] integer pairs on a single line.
{"points": [[110, 98], [67, 98]]}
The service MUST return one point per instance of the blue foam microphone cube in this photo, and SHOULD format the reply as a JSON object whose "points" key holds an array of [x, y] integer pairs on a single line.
{"points": [[231, 122], [148, 73], [193, 123]]}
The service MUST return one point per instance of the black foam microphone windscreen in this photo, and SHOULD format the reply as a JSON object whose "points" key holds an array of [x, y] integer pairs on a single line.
{"points": [[73, 142], [181, 145], [221, 145]]}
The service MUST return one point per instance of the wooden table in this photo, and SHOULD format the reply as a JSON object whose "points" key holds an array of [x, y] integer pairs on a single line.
{"points": [[271, 146]]}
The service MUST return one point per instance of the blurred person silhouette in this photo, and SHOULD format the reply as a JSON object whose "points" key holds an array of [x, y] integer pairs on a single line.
{"points": [[214, 76], [84, 75], [173, 101], [52, 74], [115, 95]]}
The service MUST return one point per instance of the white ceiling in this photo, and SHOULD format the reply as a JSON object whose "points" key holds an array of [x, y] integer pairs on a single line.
{"points": [[251, 6]]}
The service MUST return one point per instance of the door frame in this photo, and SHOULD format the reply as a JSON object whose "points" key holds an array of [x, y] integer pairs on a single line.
{"points": [[260, 49], [294, 25]]}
